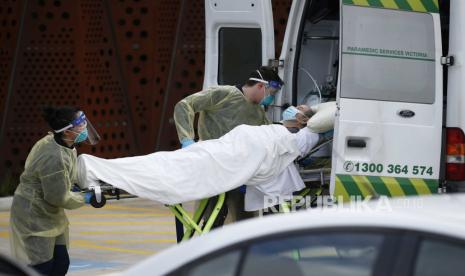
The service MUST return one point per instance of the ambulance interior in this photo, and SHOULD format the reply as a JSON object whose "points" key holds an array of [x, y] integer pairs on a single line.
{"points": [[316, 74]]}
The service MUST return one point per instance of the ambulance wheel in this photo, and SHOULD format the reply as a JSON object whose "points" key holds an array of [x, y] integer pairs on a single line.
{"points": [[95, 204]]}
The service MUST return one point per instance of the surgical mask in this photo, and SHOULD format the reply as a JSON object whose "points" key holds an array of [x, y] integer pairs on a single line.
{"points": [[267, 100], [81, 137]]}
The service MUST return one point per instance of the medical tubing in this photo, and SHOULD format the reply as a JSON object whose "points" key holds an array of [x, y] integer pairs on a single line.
{"points": [[314, 81]]}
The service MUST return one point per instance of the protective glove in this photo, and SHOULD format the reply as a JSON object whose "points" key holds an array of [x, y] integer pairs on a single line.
{"points": [[75, 188], [186, 142], [290, 113], [87, 197]]}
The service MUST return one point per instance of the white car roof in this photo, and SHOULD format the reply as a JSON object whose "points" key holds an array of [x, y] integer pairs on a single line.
{"points": [[437, 214]]}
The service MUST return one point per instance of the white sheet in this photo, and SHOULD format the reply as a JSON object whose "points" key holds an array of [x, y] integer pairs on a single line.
{"points": [[275, 192], [285, 184], [247, 154]]}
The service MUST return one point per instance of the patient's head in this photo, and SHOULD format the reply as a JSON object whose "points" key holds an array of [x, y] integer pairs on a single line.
{"points": [[295, 118]]}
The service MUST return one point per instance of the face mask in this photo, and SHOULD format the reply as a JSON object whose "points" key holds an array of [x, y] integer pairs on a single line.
{"points": [[81, 137], [267, 100]]}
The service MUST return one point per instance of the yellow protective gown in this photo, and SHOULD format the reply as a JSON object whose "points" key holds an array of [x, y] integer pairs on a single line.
{"points": [[220, 109], [38, 221]]}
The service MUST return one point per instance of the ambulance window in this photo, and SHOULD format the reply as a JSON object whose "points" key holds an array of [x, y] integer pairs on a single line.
{"points": [[388, 55], [240, 52]]}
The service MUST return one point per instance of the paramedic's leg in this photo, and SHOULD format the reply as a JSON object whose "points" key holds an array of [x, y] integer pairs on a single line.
{"points": [[60, 255], [60, 260], [235, 203], [44, 268], [179, 230]]}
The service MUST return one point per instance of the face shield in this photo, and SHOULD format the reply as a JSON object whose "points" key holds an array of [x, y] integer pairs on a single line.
{"points": [[84, 128], [271, 88]]}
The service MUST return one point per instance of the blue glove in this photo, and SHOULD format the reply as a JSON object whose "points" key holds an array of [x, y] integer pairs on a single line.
{"points": [[242, 189], [186, 142], [87, 197], [75, 188], [289, 113]]}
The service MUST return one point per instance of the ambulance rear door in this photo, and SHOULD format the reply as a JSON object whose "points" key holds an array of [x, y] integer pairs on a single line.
{"points": [[239, 39], [390, 100]]}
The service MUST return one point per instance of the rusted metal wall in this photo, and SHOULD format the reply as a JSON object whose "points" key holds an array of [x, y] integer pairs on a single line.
{"points": [[124, 62]]}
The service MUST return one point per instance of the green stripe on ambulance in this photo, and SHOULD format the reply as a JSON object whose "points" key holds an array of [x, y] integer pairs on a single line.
{"points": [[361, 185], [406, 5]]}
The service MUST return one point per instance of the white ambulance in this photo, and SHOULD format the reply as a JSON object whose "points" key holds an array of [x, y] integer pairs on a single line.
{"points": [[394, 67]]}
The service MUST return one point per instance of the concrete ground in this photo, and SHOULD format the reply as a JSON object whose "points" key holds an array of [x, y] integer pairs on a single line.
{"points": [[114, 237]]}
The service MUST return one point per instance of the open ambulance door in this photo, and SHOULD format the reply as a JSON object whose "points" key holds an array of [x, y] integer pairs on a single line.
{"points": [[390, 100], [239, 39]]}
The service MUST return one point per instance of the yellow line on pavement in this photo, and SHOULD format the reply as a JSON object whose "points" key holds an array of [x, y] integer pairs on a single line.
{"points": [[128, 208], [86, 244], [125, 233], [139, 241], [4, 214], [111, 223], [4, 234], [119, 215], [4, 224]]}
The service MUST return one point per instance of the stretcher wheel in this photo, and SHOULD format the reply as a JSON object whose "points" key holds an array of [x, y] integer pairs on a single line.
{"points": [[95, 204]]}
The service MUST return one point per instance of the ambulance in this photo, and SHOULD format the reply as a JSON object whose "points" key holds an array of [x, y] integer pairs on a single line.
{"points": [[394, 68]]}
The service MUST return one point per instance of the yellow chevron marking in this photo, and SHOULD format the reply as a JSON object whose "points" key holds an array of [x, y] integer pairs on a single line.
{"points": [[361, 2], [363, 185], [393, 186], [420, 186], [390, 4], [416, 5], [340, 190]]}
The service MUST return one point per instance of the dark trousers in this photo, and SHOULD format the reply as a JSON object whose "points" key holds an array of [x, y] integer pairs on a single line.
{"points": [[58, 265]]}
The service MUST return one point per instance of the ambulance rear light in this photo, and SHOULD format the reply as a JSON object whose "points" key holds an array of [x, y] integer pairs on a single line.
{"points": [[455, 158]]}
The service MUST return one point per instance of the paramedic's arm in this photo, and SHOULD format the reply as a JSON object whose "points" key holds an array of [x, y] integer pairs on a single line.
{"points": [[56, 184], [184, 111], [306, 140]]}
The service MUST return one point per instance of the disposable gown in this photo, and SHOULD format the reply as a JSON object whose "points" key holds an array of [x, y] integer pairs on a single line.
{"points": [[38, 221], [220, 109]]}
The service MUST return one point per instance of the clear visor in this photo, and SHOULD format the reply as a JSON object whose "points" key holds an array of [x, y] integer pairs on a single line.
{"points": [[80, 124], [273, 87]]}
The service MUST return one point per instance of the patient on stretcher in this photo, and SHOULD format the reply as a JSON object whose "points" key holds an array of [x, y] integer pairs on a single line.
{"points": [[289, 181], [252, 155]]}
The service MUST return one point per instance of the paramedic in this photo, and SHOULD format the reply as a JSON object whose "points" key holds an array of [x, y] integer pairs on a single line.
{"points": [[222, 108], [39, 227]]}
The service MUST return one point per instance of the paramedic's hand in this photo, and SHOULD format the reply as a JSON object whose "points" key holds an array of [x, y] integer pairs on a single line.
{"points": [[75, 188], [186, 142], [87, 197]]}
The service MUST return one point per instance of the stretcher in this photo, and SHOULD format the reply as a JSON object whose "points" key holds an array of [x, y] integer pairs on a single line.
{"points": [[192, 223], [246, 155], [315, 179]]}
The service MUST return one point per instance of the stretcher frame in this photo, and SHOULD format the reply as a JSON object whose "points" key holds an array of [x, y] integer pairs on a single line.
{"points": [[191, 223]]}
